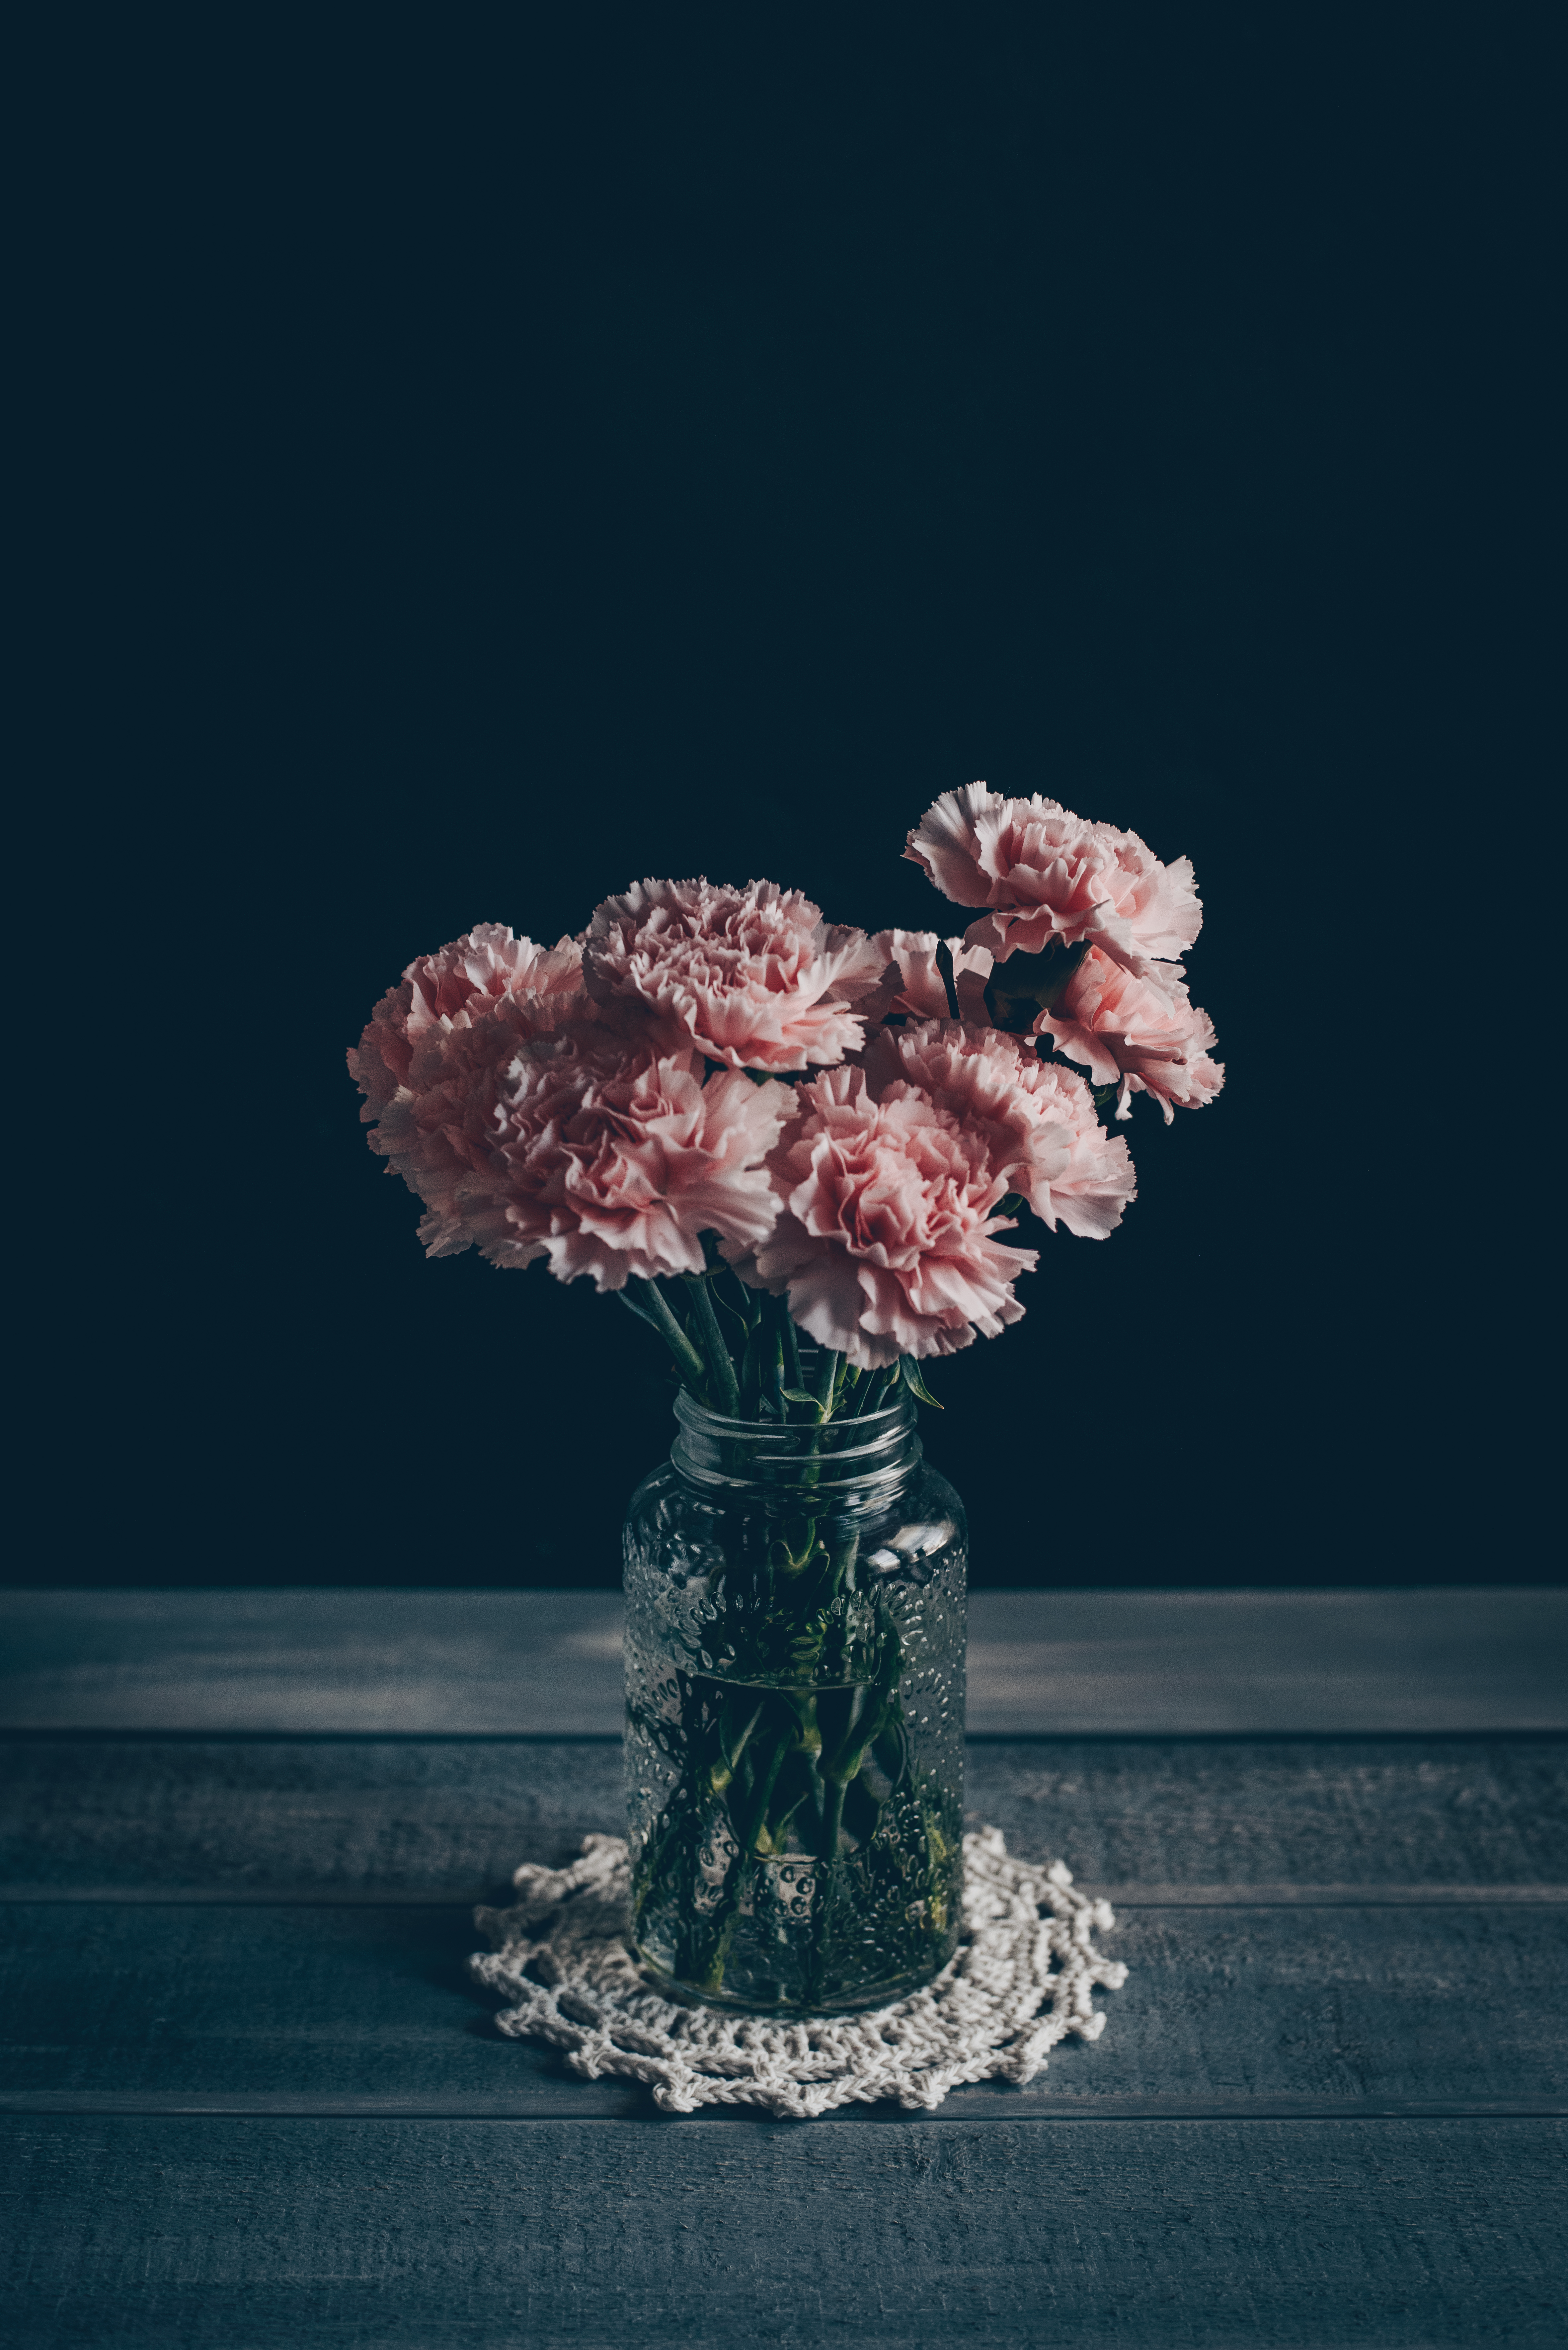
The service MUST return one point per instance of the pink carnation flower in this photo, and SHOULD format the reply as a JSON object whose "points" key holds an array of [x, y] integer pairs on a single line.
{"points": [[884, 1240], [609, 1161], [439, 1130], [1144, 1035], [431, 1059], [1045, 873], [1041, 1132], [485, 967], [751, 977], [911, 983]]}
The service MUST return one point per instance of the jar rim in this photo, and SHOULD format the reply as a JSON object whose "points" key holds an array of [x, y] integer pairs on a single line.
{"points": [[828, 1457], [693, 1414]]}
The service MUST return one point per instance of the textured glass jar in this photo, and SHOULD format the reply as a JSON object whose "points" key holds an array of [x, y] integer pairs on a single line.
{"points": [[794, 1682]]}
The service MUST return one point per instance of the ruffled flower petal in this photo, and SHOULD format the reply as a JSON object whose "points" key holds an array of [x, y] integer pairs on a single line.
{"points": [[531, 1127], [1143, 1036], [1036, 1121], [885, 1242], [751, 977], [1045, 874], [912, 984]]}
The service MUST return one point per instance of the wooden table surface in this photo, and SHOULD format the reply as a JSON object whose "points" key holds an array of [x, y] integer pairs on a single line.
{"points": [[251, 2099]]}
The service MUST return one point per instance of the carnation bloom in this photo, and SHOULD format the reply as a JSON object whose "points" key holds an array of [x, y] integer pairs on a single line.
{"points": [[431, 1058], [584, 1148], [610, 1161], [1038, 1122], [1045, 874], [884, 1240], [437, 1131], [485, 967], [911, 983], [1142, 1036], [751, 977]]}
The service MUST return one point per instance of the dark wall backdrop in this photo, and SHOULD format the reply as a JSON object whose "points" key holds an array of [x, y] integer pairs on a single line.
{"points": [[479, 471]]}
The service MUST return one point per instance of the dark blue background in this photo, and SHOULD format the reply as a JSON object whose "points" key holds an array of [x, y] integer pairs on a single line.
{"points": [[476, 476]]}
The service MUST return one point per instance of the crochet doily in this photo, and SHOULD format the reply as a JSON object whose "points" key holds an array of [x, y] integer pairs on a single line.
{"points": [[1023, 1979]]}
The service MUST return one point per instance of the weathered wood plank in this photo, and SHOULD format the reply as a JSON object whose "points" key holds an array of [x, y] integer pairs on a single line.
{"points": [[1138, 1896], [1204, 1662], [447, 1819], [394, 1661], [1054, 1662], [245, 2235], [1338, 2004], [1153, 1822], [599, 2101]]}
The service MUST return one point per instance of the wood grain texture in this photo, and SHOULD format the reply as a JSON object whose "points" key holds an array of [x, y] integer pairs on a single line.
{"points": [[1344, 2005], [1204, 1662], [594, 2102], [395, 1661], [1165, 1821], [406, 1662], [340, 2149], [246, 2235]]}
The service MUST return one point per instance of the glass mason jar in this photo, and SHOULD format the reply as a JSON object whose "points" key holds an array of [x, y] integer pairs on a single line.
{"points": [[794, 1690]]}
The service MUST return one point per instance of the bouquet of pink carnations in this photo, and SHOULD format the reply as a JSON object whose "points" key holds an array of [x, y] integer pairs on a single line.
{"points": [[794, 1150]]}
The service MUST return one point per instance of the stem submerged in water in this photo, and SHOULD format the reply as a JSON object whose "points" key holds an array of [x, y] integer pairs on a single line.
{"points": [[797, 1859], [819, 1775]]}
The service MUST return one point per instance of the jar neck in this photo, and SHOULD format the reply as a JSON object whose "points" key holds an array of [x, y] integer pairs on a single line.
{"points": [[849, 1463]]}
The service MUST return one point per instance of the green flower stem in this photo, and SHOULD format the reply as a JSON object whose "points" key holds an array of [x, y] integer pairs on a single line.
{"points": [[773, 1370], [722, 1922], [725, 1921], [657, 1851], [751, 1374], [776, 1829], [794, 1547], [736, 1728], [867, 1717], [832, 1817], [847, 1762], [657, 1309], [764, 1769], [762, 1790], [726, 1387], [827, 1370], [792, 1345]]}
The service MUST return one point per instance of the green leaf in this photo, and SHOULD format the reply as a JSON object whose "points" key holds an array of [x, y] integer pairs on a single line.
{"points": [[641, 1312], [799, 1395], [914, 1383]]}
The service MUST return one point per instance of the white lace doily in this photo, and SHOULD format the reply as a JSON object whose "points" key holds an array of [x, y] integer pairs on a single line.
{"points": [[1023, 1979]]}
